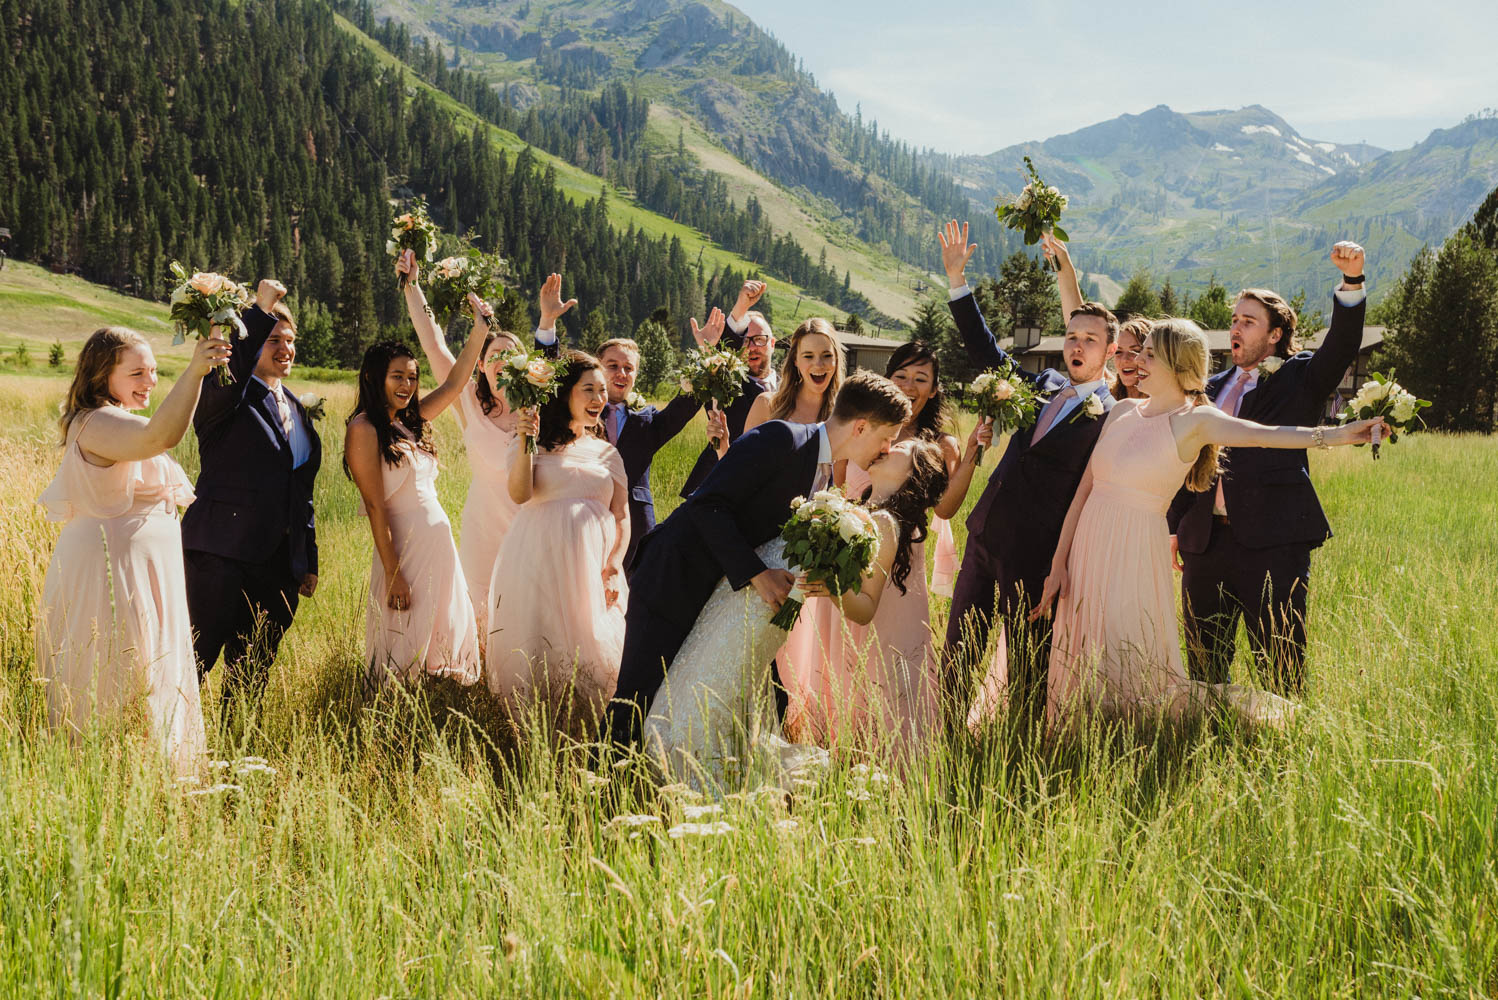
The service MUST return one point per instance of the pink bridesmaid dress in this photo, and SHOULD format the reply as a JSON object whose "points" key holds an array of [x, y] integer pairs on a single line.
{"points": [[552, 636], [436, 635], [113, 624], [874, 685], [488, 512]]}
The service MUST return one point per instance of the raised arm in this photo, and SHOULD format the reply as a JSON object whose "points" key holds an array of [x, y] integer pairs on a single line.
{"points": [[1207, 425], [1344, 337], [440, 398], [960, 470], [977, 339], [116, 435], [219, 402], [1066, 276], [433, 345], [737, 325], [361, 449], [548, 337]]}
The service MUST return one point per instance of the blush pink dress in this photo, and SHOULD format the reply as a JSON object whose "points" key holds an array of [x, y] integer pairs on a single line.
{"points": [[113, 624], [874, 685], [437, 635], [552, 636], [488, 512]]}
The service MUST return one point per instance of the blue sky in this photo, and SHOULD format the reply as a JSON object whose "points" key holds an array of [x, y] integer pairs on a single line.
{"points": [[972, 77]]}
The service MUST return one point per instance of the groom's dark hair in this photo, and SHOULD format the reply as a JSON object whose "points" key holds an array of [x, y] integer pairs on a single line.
{"points": [[867, 396]]}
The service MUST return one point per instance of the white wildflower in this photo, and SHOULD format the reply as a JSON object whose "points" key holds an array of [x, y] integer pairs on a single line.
{"points": [[702, 812], [681, 830]]}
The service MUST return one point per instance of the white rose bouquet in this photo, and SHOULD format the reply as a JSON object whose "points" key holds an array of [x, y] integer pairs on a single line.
{"points": [[1002, 396], [1036, 210], [529, 378], [713, 376], [415, 231], [450, 279], [832, 540], [204, 300], [315, 405], [1381, 396]]}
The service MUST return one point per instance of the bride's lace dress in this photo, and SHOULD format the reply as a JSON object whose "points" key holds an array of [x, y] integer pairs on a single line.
{"points": [[713, 720]]}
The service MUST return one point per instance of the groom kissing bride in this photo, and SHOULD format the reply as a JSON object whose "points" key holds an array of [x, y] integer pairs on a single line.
{"points": [[692, 623]]}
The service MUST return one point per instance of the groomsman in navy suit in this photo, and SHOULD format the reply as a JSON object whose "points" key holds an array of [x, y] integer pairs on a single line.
{"points": [[748, 331], [249, 540], [1014, 529], [1245, 545], [642, 430]]}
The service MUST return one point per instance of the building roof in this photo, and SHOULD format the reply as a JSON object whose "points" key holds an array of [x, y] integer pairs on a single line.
{"points": [[1217, 341], [860, 340]]}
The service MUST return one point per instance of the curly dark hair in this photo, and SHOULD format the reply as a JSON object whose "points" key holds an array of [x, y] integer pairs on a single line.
{"points": [[372, 403], [556, 413], [922, 489], [935, 417]]}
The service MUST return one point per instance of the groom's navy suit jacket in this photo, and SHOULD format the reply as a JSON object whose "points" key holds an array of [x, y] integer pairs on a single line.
{"points": [[1017, 521], [1268, 491], [249, 498], [644, 433]]}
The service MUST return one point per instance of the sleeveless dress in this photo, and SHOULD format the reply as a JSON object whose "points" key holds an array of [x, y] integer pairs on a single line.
{"points": [[712, 722], [488, 512], [437, 634], [551, 635], [113, 624], [1116, 648], [873, 685]]}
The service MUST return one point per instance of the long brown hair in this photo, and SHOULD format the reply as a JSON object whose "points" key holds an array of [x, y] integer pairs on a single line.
{"points": [[934, 419], [372, 403], [1138, 328], [1281, 317], [89, 389], [1180, 345], [482, 389], [912, 502], [783, 403]]}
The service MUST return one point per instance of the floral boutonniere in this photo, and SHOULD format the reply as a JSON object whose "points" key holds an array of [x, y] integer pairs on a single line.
{"points": [[1269, 366], [635, 401], [314, 404], [1091, 408]]}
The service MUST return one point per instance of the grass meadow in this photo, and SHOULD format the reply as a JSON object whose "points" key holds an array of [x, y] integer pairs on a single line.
{"points": [[392, 850]]}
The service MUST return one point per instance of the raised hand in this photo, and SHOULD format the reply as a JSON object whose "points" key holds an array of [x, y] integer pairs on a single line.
{"points": [[748, 296], [209, 353], [1056, 251], [709, 335], [552, 306], [406, 268], [980, 440], [482, 311], [528, 422], [268, 293], [1348, 258], [955, 252]]}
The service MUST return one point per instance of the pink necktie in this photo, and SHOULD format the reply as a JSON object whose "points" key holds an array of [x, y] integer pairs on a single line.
{"points": [[1229, 405], [611, 426], [1051, 412]]}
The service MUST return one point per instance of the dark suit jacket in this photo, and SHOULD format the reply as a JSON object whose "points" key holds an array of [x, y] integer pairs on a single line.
{"points": [[1017, 521], [644, 433], [737, 412], [1268, 490], [742, 504], [249, 496]]}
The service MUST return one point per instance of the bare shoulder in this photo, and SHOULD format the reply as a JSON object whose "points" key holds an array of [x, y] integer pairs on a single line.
{"points": [[360, 432]]}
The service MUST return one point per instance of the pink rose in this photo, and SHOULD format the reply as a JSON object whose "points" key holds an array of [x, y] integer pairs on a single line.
{"points": [[539, 373], [1003, 391], [205, 283]]}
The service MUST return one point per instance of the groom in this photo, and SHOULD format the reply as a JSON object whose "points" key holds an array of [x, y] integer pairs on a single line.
{"points": [[741, 505], [1015, 526]]}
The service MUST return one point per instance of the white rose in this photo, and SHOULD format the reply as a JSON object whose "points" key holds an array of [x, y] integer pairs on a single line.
{"points": [[1026, 198], [1404, 408], [796, 502], [1271, 364], [1053, 192], [1093, 406], [179, 294], [686, 386], [849, 526], [982, 382], [826, 496], [519, 361], [390, 247]]}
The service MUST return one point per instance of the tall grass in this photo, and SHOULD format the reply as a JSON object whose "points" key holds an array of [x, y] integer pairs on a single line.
{"points": [[395, 851]]}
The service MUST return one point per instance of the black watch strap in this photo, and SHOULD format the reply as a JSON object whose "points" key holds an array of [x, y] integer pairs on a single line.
{"points": [[1353, 281]]}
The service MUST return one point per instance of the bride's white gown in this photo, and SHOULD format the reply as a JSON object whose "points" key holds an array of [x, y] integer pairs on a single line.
{"points": [[713, 719]]}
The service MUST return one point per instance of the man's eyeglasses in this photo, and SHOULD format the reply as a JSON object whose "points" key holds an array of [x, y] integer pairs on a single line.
{"points": [[758, 340]]}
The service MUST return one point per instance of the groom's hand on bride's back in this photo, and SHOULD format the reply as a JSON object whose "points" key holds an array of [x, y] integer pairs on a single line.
{"points": [[773, 586]]}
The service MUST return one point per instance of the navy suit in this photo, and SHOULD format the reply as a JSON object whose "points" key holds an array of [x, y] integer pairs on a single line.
{"points": [[644, 433], [736, 414], [250, 536], [742, 504], [1014, 529], [1258, 561]]}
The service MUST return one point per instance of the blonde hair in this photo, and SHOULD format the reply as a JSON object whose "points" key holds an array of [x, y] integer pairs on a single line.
{"points": [[783, 403], [1180, 345], [619, 343], [89, 389]]}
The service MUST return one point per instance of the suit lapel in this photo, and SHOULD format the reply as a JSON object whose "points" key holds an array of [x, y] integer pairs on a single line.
{"points": [[272, 414]]}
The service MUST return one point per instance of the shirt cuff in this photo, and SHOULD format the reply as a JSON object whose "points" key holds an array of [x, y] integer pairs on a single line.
{"points": [[739, 325], [956, 293], [546, 337], [1351, 296]]}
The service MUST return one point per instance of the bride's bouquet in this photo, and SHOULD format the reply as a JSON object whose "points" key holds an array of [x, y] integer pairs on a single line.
{"points": [[451, 279], [833, 541], [1001, 395], [1381, 396], [713, 375], [204, 300], [529, 378], [413, 231], [1035, 210]]}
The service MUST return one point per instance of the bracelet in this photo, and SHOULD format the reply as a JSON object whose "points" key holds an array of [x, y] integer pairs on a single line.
{"points": [[1353, 281], [1318, 438]]}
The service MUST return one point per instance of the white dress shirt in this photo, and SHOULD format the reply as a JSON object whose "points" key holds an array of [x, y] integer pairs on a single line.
{"points": [[823, 477]]}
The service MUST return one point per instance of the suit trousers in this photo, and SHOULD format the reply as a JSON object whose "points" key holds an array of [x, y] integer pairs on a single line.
{"points": [[1267, 588], [978, 596], [242, 610]]}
